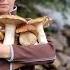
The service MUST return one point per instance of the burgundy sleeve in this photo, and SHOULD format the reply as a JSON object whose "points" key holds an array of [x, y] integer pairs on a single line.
{"points": [[34, 53]]}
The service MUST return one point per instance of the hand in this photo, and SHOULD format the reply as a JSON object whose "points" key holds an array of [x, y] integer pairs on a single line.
{"points": [[4, 51]]}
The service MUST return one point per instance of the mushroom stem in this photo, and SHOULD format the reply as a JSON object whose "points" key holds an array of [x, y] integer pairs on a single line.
{"points": [[9, 34], [41, 35]]}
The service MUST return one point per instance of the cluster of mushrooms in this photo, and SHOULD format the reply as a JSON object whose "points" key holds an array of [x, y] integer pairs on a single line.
{"points": [[29, 31]]}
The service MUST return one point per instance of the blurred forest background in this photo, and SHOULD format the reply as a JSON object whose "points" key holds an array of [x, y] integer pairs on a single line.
{"points": [[59, 10], [58, 32]]}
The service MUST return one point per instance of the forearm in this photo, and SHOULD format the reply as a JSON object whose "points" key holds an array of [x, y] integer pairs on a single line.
{"points": [[4, 52], [33, 53], [25, 54]]}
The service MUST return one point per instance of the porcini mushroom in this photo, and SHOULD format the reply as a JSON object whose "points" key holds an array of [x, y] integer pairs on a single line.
{"points": [[1, 36], [40, 23], [10, 22], [28, 35]]}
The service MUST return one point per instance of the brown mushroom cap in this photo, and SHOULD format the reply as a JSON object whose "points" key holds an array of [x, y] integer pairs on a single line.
{"points": [[46, 21], [11, 19], [27, 28]]}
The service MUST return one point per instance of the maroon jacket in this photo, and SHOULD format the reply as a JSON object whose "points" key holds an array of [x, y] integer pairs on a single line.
{"points": [[33, 54]]}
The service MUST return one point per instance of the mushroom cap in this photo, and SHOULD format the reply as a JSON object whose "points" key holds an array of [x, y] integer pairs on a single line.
{"points": [[27, 28], [11, 19], [27, 38], [46, 21]]}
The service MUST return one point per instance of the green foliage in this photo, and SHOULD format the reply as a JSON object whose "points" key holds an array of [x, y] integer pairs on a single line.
{"points": [[29, 11]]}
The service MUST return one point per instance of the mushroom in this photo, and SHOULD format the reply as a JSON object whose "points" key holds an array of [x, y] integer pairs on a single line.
{"points": [[28, 34], [10, 22], [1, 36], [40, 23]]}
